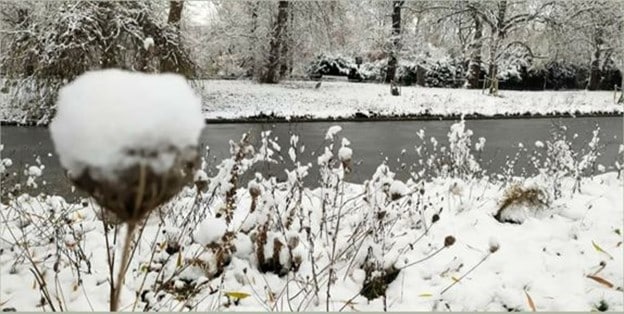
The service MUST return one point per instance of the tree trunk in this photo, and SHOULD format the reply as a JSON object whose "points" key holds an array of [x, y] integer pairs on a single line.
{"points": [[284, 60], [252, 47], [175, 12], [499, 34], [474, 65], [270, 75], [169, 60], [594, 74], [396, 41]]}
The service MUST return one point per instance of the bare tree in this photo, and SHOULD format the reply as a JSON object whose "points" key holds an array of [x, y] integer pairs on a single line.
{"points": [[270, 74], [395, 40], [476, 45]]}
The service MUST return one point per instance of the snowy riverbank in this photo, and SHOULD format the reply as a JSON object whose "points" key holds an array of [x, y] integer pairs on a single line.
{"points": [[341, 100], [241, 100]]}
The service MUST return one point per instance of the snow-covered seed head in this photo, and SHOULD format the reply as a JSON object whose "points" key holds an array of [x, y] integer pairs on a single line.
{"points": [[201, 180], [254, 191], [139, 188], [494, 246], [449, 241], [128, 139]]}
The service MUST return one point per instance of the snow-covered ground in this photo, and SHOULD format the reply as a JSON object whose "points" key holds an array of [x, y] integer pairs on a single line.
{"points": [[547, 259], [243, 99], [285, 242]]}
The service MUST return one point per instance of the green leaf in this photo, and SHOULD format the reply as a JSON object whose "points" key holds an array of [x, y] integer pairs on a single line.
{"points": [[237, 294], [600, 250]]}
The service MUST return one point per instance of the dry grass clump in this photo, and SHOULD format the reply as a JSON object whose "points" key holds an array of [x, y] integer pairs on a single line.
{"points": [[516, 194]]}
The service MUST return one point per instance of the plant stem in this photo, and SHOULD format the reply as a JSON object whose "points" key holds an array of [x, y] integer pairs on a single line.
{"points": [[466, 274], [114, 304]]}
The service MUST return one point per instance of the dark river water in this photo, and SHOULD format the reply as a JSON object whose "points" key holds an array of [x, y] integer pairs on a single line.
{"points": [[372, 143]]}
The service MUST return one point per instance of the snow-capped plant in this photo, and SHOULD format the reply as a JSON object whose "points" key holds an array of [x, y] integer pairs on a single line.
{"points": [[558, 159], [139, 162], [463, 163]]}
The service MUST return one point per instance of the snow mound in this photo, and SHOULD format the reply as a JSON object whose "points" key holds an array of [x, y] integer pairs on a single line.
{"points": [[398, 189], [210, 231], [104, 115]]}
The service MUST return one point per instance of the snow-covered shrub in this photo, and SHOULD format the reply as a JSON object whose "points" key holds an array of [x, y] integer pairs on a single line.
{"points": [[448, 73], [563, 75], [462, 162], [325, 64], [56, 42], [374, 71], [557, 159], [611, 75]]}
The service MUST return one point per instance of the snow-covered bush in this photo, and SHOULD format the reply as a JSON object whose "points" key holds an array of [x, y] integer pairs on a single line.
{"points": [[374, 71], [457, 160], [448, 73], [325, 64], [557, 159], [564, 75], [46, 237], [56, 42]]}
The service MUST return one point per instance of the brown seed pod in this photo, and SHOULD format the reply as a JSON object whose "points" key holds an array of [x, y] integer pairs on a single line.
{"points": [[138, 189], [493, 248], [254, 191], [449, 241]]}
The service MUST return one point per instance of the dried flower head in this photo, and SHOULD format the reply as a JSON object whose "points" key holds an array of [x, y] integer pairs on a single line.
{"points": [[449, 241], [494, 246]]}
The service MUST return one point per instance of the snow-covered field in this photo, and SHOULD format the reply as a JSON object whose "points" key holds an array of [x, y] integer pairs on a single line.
{"points": [[240, 99], [285, 242], [244, 99]]}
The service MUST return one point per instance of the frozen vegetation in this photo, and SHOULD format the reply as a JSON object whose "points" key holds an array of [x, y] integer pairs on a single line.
{"points": [[460, 241], [168, 230]]}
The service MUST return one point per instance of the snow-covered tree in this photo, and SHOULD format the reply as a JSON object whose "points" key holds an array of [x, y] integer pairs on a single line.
{"points": [[49, 43]]}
